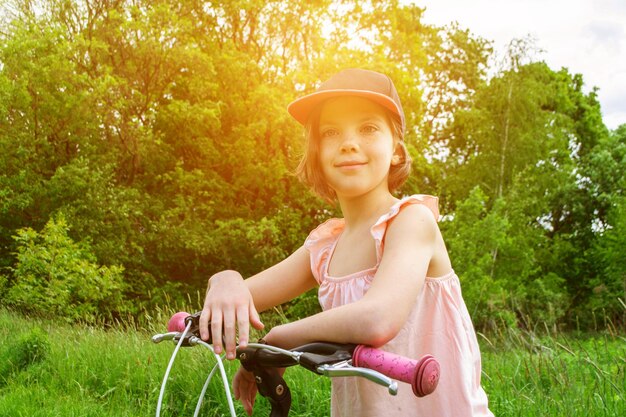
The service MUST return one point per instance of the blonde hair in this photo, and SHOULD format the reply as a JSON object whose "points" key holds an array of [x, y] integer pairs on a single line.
{"points": [[310, 172]]}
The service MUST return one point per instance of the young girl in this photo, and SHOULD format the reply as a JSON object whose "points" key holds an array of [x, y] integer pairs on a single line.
{"points": [[383, 271]]}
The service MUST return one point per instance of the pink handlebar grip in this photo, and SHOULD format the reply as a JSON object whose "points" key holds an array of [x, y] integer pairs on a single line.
{"points": [[177, 322], [423, 375]]}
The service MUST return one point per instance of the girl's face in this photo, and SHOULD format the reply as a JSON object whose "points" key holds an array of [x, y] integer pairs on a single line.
{"points": [[356, 146]]}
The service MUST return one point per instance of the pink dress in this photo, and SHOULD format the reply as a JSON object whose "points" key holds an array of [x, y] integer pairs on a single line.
{"points": [[439, 324]]}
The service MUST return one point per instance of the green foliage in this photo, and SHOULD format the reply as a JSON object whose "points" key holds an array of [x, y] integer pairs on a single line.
{"points": [[608, 168], [495, 254], [159, 130], [56, 276], [535, 144], [302, 306], [26, 349], [474, 238], [608, 295], [545, 299]]}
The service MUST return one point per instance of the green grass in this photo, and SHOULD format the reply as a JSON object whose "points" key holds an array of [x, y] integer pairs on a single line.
{"points": [[51, 369], [555, 375], [84, 371]]}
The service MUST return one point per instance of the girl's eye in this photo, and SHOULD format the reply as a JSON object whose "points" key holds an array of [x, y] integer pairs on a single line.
{"points": [[369, 129], [327, 133]]}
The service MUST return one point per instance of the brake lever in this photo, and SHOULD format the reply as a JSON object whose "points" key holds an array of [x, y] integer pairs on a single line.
{"points": [[345, 368]]}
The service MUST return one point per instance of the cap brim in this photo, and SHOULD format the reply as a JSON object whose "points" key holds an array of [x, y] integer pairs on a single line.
{"points": [[301, 108]]}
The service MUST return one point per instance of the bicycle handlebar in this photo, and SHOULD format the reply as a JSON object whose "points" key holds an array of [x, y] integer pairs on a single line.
{"points": [[329, 359], [176, 323], [422, 375]]}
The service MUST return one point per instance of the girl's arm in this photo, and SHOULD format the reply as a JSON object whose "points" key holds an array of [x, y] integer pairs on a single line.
{"points": [[283, 281], [231, 303], [410, 244]]}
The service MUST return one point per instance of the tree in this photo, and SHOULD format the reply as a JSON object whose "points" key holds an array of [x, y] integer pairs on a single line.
{"points": [[55, 276], [158, 129], [607, 289], [528, 140]]}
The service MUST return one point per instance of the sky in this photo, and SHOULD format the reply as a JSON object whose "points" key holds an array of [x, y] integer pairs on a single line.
{"points": [[586, 36]]}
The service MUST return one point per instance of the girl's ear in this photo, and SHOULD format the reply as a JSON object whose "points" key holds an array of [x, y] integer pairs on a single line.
{"points": [[398, 154]]}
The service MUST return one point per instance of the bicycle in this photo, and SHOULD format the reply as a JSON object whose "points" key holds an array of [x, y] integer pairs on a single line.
{"points": [[323, 358]]}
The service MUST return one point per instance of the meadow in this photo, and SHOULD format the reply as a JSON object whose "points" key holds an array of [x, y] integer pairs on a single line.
{"points": [[56, 369]]}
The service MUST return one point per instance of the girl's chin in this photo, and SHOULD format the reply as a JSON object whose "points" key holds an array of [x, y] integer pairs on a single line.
{"points": [[354, 192]]}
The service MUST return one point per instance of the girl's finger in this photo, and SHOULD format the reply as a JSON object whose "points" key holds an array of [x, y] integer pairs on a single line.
{"points": [[245, 401], [243, 325], [216, 330], [248, 407], [253, 391], [230, 333], [250, 400], [205, 317], [254, 317]]}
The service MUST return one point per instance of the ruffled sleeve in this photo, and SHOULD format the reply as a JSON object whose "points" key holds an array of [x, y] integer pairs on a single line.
{"points": [[319, 243], [380, 227]]}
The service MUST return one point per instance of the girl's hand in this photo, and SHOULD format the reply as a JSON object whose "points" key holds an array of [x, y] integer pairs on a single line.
{"points": [[280, 336], [228, 305], [245, 389]]}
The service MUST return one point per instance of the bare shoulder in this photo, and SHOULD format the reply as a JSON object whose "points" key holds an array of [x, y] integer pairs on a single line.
{"points": [[414, 222]]}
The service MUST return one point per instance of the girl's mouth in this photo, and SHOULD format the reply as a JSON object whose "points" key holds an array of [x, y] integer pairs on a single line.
{"points": [[350, 164]]}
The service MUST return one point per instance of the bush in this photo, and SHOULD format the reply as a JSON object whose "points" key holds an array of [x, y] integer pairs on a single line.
{"points": [[31, 347], [477, 239], [608, 288], [545, 300], [56, 276]]}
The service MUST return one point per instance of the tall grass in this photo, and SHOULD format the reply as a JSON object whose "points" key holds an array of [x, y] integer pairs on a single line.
{"points": [[87, 371], [554, 374], [52, 369]]}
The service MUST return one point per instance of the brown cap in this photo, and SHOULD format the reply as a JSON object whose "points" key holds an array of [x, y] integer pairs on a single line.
{"points": [[351, 82]]}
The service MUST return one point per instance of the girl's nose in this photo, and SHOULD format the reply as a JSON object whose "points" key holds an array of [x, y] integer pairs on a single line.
{"points": [[349, 143]]}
